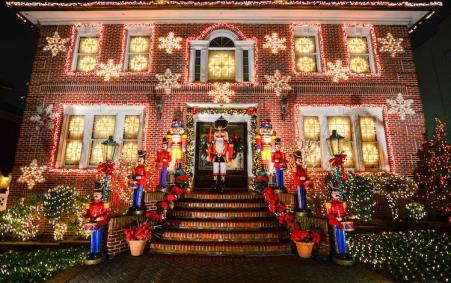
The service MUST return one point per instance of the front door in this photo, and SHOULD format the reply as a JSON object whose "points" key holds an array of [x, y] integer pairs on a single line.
{"points": [[236, 178]]}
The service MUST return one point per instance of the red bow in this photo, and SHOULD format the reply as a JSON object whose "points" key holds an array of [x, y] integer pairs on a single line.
{"points": [[250, 111], [106, 167], [338, 161]]}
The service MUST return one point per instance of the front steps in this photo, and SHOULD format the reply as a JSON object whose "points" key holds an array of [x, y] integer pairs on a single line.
{"points": [[221, 224]]}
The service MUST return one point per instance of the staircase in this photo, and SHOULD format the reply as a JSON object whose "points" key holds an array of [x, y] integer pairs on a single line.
{"points": [[236, 223]]}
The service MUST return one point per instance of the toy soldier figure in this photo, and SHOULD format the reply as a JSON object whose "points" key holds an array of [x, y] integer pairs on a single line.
{"points": [[176, 144], [265, 144], [220, 153], [95, 217], [336, 213], [300, 179], [279, 161], [163, 160], [139, 179]]}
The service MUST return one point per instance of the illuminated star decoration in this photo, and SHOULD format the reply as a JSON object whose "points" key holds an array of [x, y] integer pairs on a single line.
{"points": [[170, 43], [32, 174], [274, 43], [221, 93], [400, 106], [109, 70], [161, 2], [337, 71], [55, 44], [44, 116], [168, 81], [390, 44], [277, 82]]}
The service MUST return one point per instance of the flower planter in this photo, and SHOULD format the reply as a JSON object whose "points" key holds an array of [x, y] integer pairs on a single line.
{"points": [[137, 247], [3, 199], [304, 249]]}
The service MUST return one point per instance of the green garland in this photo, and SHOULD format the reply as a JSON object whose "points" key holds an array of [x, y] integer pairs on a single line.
{"points": [[191, 137]]}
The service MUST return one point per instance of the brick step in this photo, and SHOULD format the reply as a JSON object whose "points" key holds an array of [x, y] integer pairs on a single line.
{"points": [[217, 214], [221, 205], [223, 225], [225, 196], [206, 248], [272, 235]]}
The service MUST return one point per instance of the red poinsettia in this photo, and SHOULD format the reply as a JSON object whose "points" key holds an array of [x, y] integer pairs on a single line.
{"points": [[169, 198], [153, 216], [163, 204], [106, 167], [176, 190], [303, 235], [286, 218], [195, 110], [250, 111], [183, 178], [142, 232], [281, 207]]}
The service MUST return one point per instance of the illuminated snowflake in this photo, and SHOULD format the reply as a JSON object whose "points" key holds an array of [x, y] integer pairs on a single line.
{"points": [[337, 71], [170, 43], [274, 43], [161, 2], [109, 70], [221, 93], [44, 116], [55, 44], [32, 174], [400, 106], [277, 82], [168, 81], [391, 45]]}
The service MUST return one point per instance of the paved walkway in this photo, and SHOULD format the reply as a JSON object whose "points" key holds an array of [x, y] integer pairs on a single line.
{"points": [[165, 268]]}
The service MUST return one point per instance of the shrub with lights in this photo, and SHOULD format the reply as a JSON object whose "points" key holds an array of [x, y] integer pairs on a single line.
{"points": [[410, 256], [415, 210], [18, 222], [360, 197]]}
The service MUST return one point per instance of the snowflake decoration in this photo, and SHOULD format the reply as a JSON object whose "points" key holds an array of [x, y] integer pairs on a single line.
{"points": [[170, 42], [168, 81], [44, 116], [161, 2], [337, 71], [55, 44], [221, 92], [391, 45], [32, 174], [109, 70], [278, 82], [274, 43], [400, 106]]}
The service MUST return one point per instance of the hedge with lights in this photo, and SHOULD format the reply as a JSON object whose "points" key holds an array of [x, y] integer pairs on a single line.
{"points": [[360, 197], [410, 256], [19, 221], [415, 210], [38, 265]]}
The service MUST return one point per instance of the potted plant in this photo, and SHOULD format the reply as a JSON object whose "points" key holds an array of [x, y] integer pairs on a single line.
{"points": [[305, 239], [137, 237]]}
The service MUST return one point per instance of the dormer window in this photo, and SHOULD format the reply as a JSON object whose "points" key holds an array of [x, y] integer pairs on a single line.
{"points": [[222, 56]]}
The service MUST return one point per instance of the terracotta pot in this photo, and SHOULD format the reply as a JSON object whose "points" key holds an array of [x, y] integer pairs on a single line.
{"points": [[304, 249], [137, 247]]}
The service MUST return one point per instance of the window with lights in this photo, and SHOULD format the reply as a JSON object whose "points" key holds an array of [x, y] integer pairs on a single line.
{"points": [[363, 131], [86, 50], [360, 50], [222, 56], [137, 49], [86, 127], [307, 49]]}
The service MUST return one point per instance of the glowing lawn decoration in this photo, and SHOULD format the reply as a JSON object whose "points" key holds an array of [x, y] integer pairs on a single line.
{"points": [[400, 106], [277, 82], [32, 174], [168, 81], [109, 70], [55, 44], [390, 44]]}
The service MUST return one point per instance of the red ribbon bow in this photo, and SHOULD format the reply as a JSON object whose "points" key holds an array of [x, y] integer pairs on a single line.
{"points": [[338, 161], [106, 167]]}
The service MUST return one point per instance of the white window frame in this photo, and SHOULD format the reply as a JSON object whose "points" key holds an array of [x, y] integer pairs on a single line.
{"points": [[366, 32], [89, 112], [84, 31], [354, 113], [203, 46], [308, 30], [138, 30]]}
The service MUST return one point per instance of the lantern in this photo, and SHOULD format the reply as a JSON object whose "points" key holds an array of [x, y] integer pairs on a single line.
{"points": [[335, 142], [109, 149], [4, 181]]}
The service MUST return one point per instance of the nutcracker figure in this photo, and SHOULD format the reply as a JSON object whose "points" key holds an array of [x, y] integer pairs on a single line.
{"points": [[279, 161], [163, 160], [139, 179], [176, 144], [300, 181], [220, 152], [95, 217], [338, 219], [265, 144]]}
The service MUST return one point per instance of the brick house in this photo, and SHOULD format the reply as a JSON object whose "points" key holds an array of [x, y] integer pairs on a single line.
{"points": [[235, 42]]}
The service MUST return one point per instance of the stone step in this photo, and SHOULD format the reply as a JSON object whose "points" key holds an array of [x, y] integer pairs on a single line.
{"points": [[272, 235], [225, 196], [223, 225], [234, 248], [217, 214], [221, 205]]}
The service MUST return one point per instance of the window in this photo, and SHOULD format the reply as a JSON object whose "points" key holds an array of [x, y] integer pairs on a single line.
{"points": [[222, 56], [86, 127], [137, 54], [359, 47], [307, 49], [362, 128], [86, 50]]}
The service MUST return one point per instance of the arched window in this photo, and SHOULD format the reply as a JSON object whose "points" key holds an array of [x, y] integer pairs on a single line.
{"points": [[222, 56]]}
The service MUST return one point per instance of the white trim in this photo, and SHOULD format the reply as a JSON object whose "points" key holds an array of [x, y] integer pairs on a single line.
{"points": [[84, 31], [354, 113], [137, 30], [358, 31], [309, 30]]}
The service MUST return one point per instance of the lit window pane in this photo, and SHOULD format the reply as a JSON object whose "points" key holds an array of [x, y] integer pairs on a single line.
{"points": [[103, 127], [73, 152], [311, 128], [343, 127], [131, 127], [76, 126], [138, 53], [88, 45], [349, 161], [305, 45], [368, 129], [306, 64], [96, 153], [138, 63], [313, 158], [359, 64], [357, 45], [311, 140], [305, 49], [359, 60], [130, 151], [74, 141], [221, 65], [86, 63], [139, 44], [369, 142]]}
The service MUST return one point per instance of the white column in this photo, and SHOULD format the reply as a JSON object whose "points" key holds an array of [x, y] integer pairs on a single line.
{"points": [[239, 64]]}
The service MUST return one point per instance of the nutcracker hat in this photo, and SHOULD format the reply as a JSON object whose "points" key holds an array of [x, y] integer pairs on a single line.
{"points": [[165, 140], [98, 187], [141, 153], [278, 141], [176, 124], [221, 122], [297, 154], [266, 124]]}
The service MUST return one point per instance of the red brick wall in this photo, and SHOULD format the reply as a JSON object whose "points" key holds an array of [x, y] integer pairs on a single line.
{"points": [[50, 84]]}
